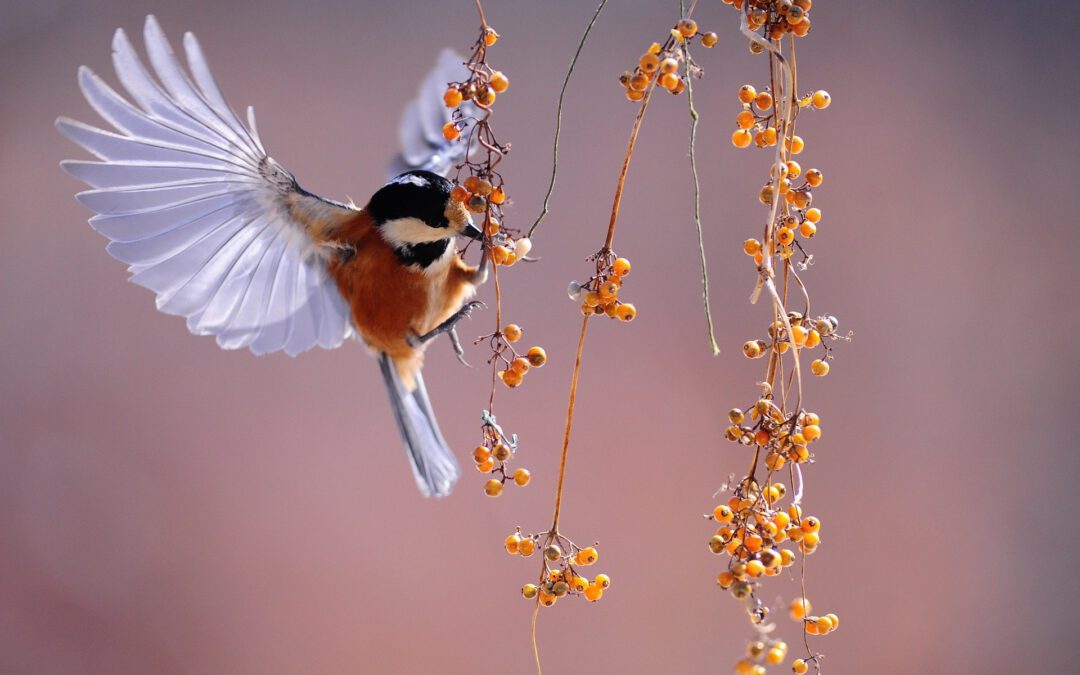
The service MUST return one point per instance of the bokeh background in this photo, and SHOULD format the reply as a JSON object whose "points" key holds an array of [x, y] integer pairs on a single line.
{"points": [[167, 507]]}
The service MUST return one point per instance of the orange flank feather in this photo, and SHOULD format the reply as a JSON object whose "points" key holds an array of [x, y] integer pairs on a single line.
{"points": [[390, 301]]}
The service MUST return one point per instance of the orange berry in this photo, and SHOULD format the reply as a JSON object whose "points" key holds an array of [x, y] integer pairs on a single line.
{"points": [[688, 27], [775, 656], [793, 169], [520, 365], [499, 82], [522, 477], [490, 36], [634, 95], [799, 608], [511, 378], [799, 667], [486, 466], [498, 196], [493, 488], [755, 568], [587, 556], [452, 98], [812, 432], [741, 138], [669, 81], [723, 514], [669, 65], [745, 119], [810, 524], [649, 63], [810, 541], [785, 236], [763, 101], [450, 131], [547, 599], [814, 177], [602, 580], [459, 194], [593, 593], [821, 99], [751, 246], [813, 215], [626, 311], [795, 145], [512, 332], [808, 229], [639, 82], [621, 266], [609, 289], [769, 136], [481, 454], [799, 335], [526, 547], [814, 339], [747, 93], [709, 39], [511, 544], [499, 254]]}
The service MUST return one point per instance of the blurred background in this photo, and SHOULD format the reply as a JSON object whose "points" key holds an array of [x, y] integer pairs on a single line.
{"points": [[168, 507]]}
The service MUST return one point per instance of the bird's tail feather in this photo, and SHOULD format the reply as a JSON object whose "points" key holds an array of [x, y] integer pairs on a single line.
{"points": [[433, 465]]}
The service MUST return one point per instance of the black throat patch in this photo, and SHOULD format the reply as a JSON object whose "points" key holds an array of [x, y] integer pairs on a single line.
{"points": [[422, 254]]}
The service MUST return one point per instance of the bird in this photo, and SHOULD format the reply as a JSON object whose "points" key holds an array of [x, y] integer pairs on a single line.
{"points": [[225, 236]]}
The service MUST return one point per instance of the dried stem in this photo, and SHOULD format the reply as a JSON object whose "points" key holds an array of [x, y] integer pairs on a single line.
{"points": [[558, 118]]}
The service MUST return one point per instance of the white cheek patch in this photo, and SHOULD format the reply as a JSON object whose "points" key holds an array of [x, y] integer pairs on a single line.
{"points": [[408, 231]]}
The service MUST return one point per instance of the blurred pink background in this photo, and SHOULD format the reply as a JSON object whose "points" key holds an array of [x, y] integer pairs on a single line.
{"points": [[168, 507]]}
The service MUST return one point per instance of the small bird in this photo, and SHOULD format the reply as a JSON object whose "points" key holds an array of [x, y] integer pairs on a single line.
{"points": [[226, 237]]}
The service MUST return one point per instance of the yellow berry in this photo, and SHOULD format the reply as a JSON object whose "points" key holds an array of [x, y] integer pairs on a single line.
{"points": [[512, 332], [795, 145], [493, 487], [799, 335], [621, 266], [626, 311], [522, 477], [799, 667], [775, 656], [603, 581], [609, 289], [814, 177], [808, 229], [499, 82], [537, 356], [593, 593], [813, 215], [528, 591], [821, 99], [834, 621], [819, 368], [751, 349]]}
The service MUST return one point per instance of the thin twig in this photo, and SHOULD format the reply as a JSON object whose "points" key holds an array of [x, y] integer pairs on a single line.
{"points": [[558, 118], [697, 206]]}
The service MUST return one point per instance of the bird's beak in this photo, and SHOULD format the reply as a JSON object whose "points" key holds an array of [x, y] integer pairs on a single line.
{"points": [[471, 231]]}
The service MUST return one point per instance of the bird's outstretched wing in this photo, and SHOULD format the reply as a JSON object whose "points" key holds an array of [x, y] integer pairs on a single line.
{"points": [[420, 133], [202, 215]]}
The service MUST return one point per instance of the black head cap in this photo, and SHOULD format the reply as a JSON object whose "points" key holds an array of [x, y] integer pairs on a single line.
{"points": [[413, 194]]}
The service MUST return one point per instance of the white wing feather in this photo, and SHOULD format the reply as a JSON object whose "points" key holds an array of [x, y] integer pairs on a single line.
{"points": [[193, 204], [420, 133]]}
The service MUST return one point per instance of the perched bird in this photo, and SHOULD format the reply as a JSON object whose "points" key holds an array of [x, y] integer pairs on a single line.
{"points": [[225, 236]]}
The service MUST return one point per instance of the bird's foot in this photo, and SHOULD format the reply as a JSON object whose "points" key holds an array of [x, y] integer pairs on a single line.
{"points": [[449, 324], [458, 351]]}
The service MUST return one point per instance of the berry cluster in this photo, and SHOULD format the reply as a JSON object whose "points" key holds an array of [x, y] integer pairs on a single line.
{"points": [[483, 192], [600, 294], [661, 63], [775, 18], [759, 536], [561, 575], [805, 333]]}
